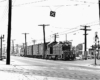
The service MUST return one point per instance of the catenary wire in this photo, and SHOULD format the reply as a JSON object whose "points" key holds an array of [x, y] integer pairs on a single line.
{"points": [[29, 3], [58, 5]]}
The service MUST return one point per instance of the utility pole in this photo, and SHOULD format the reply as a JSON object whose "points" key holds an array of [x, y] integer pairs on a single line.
{"points": [[34, 42], [17, 46], [1, 46], [99, 8], [98, 49], [3, 49], [9, 32], [55, 37], [96, 37], [13, 49], [66, 37], [85, 39], [25, 44], [23, 47], [44, 46]]}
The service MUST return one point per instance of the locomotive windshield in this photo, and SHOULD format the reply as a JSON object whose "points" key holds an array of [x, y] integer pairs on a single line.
{"points": [[66, 47]]}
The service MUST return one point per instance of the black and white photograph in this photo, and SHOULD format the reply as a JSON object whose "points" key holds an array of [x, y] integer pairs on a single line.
{"points": [[49, 40]]}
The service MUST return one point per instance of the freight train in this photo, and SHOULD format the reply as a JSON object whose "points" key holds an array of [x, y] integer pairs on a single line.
{"points": [[54, 50]]}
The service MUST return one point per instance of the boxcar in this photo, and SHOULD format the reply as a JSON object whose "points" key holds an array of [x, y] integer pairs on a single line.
{"points": [[30, 50], [22, 52], [35, 50]]}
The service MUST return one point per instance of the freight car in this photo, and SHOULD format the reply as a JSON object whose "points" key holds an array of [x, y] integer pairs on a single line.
{"points": [[35, 51], [22, 50]]}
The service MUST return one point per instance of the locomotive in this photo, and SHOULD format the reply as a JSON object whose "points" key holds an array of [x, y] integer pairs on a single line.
{"points": [[54, 50], [61, 50]]}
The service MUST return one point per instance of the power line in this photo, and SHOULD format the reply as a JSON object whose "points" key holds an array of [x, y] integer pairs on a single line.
{"points": [[84, 3], [92, 22], [29, 3], [4, 15], [77, 27], [60, 28], [47, 5], [63, 33], [3, 0], [69, 30]]}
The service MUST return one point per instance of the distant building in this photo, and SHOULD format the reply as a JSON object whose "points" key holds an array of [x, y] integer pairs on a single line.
{"points": [[92, 53]]}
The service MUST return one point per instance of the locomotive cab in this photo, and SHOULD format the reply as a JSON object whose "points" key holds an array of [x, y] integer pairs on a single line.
{"points": [[67, 52]]}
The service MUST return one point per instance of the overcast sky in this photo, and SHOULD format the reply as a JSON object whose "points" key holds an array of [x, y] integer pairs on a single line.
{"points": [[28, 14]]}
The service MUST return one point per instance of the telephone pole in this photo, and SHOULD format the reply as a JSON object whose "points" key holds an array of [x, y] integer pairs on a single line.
{"points": [[23, 46], [98, 49], [9, 32], [25, 53], [99, 8], [66, 37], [34, 41], [17, 46], [55, 37], [44, 46], [96, 37], [85, 39], [13, 49]]}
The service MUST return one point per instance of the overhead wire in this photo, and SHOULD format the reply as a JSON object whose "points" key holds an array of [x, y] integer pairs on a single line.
{"points": [[90, 24], [4, 15], [57, 5], [3, 0], [84, 1], [5, 12], [68, 30], [49, 37], [60, 27], [29, 3]]}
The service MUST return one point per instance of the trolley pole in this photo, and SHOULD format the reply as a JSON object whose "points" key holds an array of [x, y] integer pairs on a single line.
{"points": [[25, 53], [85, 39], [9, 32], [44, 46]]}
